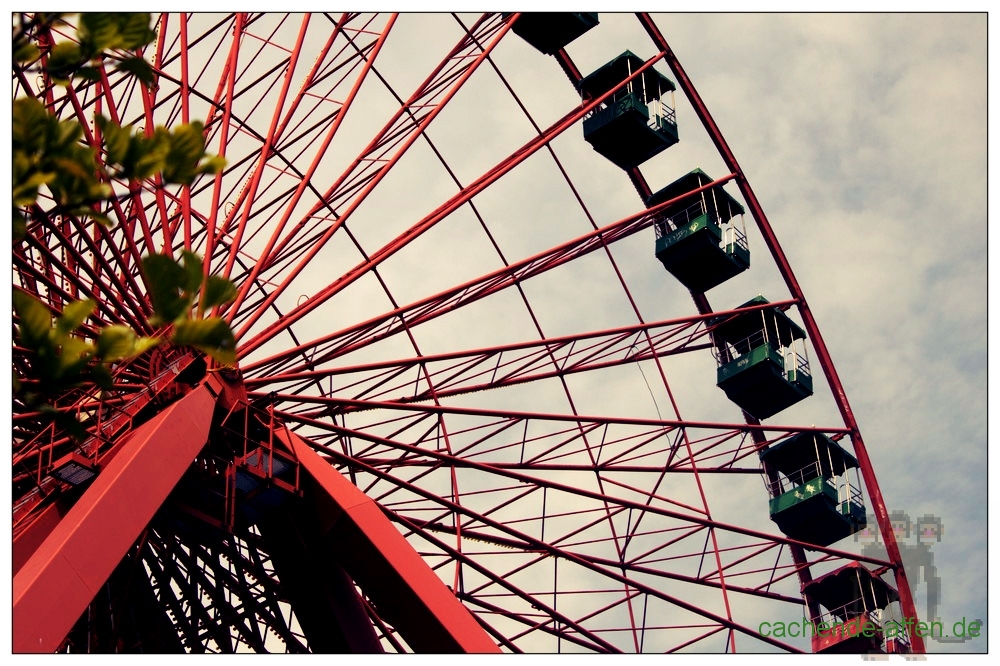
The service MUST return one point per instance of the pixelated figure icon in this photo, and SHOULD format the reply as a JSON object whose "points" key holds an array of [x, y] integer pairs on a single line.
{"points": [[869, 533], [918, 559], [929, 529], [875, 657], [901, 525]]}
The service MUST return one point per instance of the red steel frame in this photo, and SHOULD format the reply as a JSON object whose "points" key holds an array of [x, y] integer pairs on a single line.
{"points": [[826, 362], [444, 476]]}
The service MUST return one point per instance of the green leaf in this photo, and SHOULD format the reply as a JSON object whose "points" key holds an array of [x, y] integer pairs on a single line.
{"points": [[193, 272], [70, 168], [100, 30], [36, 320], [138, 67], [134, 30], [115, 343], [213, 164], [118, 342], [73, 357], [165, 279], [212, 336], [152, 153], [70, 131], [102, 376], [19, 226], [143, 344], [187, 146], [67, 421], [88, 73], [25, 192], [116, 139], [101, 218], [218, 290], [29, 120], [73, 315], [64, 58], [25, 51]]}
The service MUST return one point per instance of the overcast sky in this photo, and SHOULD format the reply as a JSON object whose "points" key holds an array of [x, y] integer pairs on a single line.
{"points": [[864, 138]]}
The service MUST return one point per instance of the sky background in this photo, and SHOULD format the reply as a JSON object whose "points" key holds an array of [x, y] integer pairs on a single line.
{"points": [[864, 136]]}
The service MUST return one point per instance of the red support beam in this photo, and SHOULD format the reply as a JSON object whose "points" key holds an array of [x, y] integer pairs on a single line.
{"points": [[808, 321], [571, 556], [465, 66], [425, 611], [60, 579], [344, 341]]}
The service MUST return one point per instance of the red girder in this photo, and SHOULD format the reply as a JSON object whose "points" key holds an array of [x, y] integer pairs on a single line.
{"points": [[341, 342], [455, 202], [808, 321], [627, 449], [114, 287], [475, 370], [308, 175], [58, 582], [570, 556], [449, 460], [413, 130], [392, 570], [105, 441], [107, 296]]}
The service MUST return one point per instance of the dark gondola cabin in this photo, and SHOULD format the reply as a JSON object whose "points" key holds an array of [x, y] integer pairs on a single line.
{"points": [[763, 366], [633, 124], [549, 32], [700, 239], [813, 497], [856, 617]]}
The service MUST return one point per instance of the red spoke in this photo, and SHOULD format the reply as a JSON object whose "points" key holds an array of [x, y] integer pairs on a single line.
{"points": [[428, 308], [421, 445]]}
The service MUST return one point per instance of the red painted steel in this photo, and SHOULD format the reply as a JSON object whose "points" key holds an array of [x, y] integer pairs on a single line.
{"points": [[434, 618], [618, 527], [467, 69], [341, 113], [587, 563], [517, 157], [499, 471], [59, 580], [809, 323], [433, 306]]}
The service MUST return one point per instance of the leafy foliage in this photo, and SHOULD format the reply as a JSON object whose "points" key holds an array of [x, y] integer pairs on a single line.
{"points": [[173, 288], [60, 357], [51, 159], [49, 153], [98, 33], [46, 152], [178, 155]]}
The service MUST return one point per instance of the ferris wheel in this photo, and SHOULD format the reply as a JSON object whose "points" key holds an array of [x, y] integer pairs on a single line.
{"points": [[497, 387]]}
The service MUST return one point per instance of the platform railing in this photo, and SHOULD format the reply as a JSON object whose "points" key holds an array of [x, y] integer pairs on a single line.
{"points": [[661, 115], [668, 225]]}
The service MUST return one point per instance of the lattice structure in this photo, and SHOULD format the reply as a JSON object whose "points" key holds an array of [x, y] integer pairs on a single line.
{"points": [[456, 423]]}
